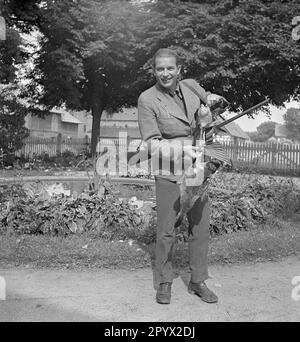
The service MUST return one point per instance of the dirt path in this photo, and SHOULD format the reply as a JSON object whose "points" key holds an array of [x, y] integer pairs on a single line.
{"points": [[257, 292]]}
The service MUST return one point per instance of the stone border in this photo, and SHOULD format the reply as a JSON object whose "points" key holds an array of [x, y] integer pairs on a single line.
{"points": [[123, 180]]}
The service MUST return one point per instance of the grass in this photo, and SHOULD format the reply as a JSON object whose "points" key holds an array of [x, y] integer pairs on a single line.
{"points": [[266, 243], [270, 242], [70, 252]]}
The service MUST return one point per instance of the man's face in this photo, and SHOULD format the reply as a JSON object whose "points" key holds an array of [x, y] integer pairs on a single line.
{"points": [[166, 72]]}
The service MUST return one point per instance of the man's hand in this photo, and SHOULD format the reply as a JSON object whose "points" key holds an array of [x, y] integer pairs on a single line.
{"points": [[217, 103], [212, 99], [190, 151], [190, 154]]}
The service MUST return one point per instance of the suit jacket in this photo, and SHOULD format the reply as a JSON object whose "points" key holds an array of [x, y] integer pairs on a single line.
{"points": [[163, 125]]}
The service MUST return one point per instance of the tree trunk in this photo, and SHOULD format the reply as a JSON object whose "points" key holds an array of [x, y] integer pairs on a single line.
{"points": [[97, 109]]}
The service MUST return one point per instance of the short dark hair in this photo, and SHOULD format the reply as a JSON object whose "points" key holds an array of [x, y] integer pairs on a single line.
{"points": [[164, 52]]}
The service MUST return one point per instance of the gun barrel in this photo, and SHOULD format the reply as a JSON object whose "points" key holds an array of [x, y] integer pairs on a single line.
{"points": [[227, 121]]}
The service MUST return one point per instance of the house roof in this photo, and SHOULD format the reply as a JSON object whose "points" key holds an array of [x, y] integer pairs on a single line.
{"points": [[65, 116], [235, 130]]}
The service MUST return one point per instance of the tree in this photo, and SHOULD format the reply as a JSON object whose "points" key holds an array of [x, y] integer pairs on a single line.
{"points": [[90, 55], [292, 122], [252, 135], [264, 131], [20, 17], [12, 121]]}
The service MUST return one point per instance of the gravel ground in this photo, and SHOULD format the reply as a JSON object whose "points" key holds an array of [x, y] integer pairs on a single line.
{"points": [[251, 292]]}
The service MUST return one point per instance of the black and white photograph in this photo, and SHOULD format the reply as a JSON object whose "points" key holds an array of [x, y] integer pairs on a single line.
{"points": [[150, 163]]}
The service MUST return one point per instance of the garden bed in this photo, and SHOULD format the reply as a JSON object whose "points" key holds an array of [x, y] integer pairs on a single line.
{"points": [[107, 210]]}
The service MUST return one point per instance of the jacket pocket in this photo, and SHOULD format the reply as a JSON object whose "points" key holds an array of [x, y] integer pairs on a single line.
{"points": [[171, 128], [164, 112]]}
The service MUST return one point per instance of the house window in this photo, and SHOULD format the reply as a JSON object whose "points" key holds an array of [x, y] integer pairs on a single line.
{"points": [[43, 124], [69, 127]]}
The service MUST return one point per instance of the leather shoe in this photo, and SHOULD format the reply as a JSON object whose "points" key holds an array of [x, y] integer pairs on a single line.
{"points": [[163, 294], [201, 290]]}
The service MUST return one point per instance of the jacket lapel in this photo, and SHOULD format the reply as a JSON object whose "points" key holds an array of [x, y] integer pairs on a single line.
{"points": [[191, 101], [168, 106]]}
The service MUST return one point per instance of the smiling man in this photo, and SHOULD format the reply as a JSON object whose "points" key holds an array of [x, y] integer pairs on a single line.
{"points": [[166, 114], [166, 70]]}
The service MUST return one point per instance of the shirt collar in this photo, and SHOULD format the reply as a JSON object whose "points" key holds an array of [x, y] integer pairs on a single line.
{"points": [[167, 91]]}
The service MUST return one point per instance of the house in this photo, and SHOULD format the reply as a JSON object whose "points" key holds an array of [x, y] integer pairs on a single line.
{"points": [[233, 133], [124, 121], [68, 124], [281, 135]]}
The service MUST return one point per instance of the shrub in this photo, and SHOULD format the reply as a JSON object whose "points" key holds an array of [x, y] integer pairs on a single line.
{"points": [[237, 203], [102, 215], [240, 202]]}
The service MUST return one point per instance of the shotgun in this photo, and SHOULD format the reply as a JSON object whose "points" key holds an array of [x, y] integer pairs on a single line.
{"points": [[214, 150]]}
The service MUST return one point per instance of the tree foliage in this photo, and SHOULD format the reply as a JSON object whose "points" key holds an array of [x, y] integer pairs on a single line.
{"points": [[241, 49], [21, 14], [264, 131], [292, 122], [20, 17]]}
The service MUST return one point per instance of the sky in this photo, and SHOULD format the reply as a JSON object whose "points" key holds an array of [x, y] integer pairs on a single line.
{"points": [[249, 125]]}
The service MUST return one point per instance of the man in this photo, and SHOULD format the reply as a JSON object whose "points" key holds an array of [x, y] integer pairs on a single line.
{"points": [[166, 114]]}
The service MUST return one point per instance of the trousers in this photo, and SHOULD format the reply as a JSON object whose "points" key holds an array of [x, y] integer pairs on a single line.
{"points": [[168, 205]]}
